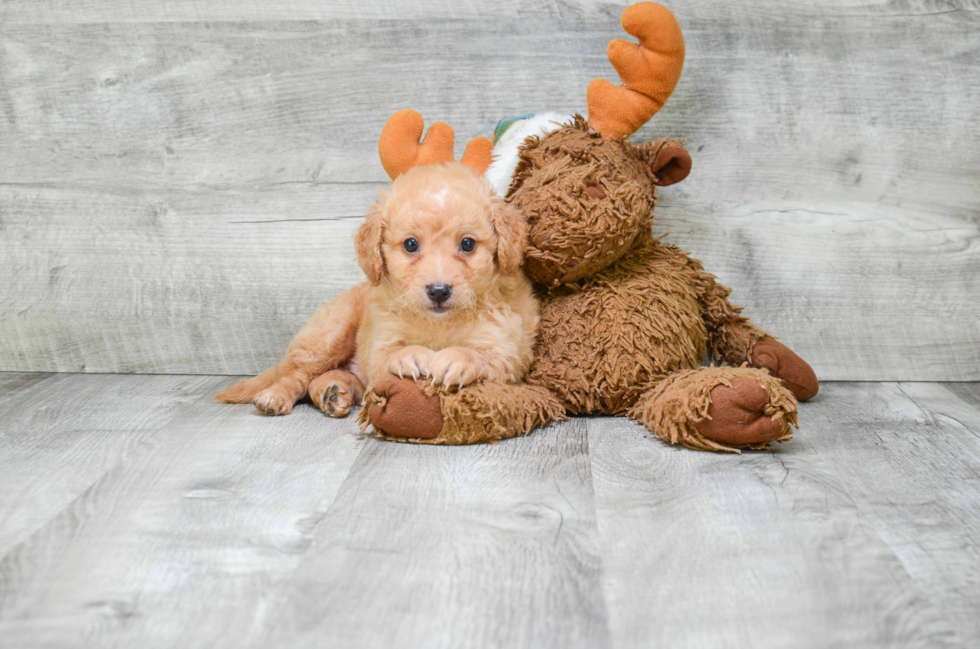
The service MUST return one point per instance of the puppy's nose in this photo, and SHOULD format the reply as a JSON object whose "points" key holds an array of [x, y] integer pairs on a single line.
{"points": [[438, 293]]}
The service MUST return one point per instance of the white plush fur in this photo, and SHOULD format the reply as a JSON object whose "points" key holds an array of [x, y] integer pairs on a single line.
{"points": [[500, 173]]}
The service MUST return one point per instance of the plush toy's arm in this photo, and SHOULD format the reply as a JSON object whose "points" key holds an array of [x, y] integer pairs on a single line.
{"points": [[734, 339], [731, 336], [408, 410]]}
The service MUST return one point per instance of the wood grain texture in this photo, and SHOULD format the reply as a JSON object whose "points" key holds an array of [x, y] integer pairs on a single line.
{"points": [[225, 528], [861, 531], [130, 11], [185, 543], [913, 465], [59, 434], [479, 546], [834, 185]]}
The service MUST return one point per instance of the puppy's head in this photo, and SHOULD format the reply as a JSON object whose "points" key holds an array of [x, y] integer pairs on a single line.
{"points": [[439, 238]]}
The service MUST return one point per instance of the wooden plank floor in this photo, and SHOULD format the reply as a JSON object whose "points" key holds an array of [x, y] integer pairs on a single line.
{"points": [[136, 512]]}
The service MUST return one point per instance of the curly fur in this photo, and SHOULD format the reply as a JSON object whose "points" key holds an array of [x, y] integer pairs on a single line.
{"points": [[484, 330]]}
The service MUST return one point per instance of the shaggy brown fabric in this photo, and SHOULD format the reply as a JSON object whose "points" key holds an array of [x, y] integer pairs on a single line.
{"points": [[607, 338], [731, 336], [783, 363], [494, 411], [575, 232], [483, 412], [752, 409]]}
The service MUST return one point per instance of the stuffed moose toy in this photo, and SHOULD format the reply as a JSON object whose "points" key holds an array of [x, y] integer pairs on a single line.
{"points": [[626, 318]]}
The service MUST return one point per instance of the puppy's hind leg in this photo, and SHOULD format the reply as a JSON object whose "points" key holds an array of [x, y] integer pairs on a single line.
{"points": [[336, 391], [326, 342]]}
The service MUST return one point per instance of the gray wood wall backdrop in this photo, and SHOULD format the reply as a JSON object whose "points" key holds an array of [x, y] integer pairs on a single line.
{"points": [[179, 181]]}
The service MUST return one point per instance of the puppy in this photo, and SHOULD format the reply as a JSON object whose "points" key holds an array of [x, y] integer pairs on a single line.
{"points": [[445, 300]]}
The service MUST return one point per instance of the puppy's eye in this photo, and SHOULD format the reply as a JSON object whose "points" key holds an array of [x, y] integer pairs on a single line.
{"points": [[467, 245], [411, 245]]}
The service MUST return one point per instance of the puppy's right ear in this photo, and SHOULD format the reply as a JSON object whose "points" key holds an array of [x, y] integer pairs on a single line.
{"points": [[511, 229], [367, 243]]}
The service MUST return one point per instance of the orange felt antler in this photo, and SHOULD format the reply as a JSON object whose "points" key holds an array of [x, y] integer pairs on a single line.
{"points": [[649, 71], [401, 149]]}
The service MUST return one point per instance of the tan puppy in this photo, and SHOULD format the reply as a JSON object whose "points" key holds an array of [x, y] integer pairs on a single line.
{"points": [[445, 300]]}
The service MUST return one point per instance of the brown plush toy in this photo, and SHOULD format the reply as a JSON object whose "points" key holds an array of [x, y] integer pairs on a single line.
{"points": [[626, 319]]}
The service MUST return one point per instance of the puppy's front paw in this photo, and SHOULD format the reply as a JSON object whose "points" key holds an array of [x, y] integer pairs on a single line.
{"points": [[453, 367], [412, 361], [273, 401]]}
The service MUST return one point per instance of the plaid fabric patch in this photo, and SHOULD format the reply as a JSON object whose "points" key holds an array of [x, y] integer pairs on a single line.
{"points": [[505, 124]]}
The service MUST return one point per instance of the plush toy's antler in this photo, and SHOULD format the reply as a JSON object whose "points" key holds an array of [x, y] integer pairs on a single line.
{"points": [[649, 71], [401, 149]]}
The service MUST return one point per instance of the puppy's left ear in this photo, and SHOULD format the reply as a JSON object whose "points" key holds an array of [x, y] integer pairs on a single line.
{"points": [[367, 242], [511, 228]]}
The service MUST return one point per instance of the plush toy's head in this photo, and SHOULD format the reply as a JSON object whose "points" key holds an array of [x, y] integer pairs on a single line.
{"points": [[586, 191], [587, 198]]}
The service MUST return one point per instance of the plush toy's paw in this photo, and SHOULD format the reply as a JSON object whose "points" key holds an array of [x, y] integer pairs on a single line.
{"points": [[718, 409], [737, 415], [416, 411], [783, 363], [401, 408], [273, 401]]}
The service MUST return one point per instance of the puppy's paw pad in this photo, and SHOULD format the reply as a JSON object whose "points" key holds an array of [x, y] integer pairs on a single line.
{"points": [[271, 402], [337, 401]]}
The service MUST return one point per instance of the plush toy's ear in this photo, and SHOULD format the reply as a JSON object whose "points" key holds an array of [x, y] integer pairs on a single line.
{"points": [[669, 160], [367, 242], [511, 228]]}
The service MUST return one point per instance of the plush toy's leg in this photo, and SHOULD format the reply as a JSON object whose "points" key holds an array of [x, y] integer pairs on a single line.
{"points": [[334, 392], [718, 409], [413, 411], [734, 339]]}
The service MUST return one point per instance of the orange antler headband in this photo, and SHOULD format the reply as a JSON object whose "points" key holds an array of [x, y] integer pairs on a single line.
{"points": [[649, 72], [401, 149]]}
